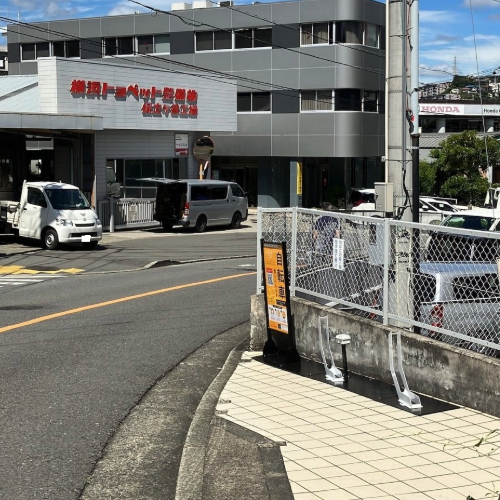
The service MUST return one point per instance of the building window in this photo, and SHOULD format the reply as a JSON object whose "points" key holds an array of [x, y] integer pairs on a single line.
{"points": [[370, 101], [214, 40], [153, 44], [70, 48], [316, 100], [5, 173], [120, 46], [349, 32], [32, 51], [128, 173], [315, 33], [253, 102], [371, 35], [253, 38], [347, 100]]}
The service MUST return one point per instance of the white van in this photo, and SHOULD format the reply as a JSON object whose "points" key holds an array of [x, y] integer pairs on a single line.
{"points": [[199, 203], [56, 213]]}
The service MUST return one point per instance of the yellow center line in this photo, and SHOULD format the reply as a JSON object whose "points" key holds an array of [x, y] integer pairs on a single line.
{"points": [[117, 301]]}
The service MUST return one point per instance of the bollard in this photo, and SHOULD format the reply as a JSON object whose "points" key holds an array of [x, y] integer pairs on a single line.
{"points": [[343, 339]]}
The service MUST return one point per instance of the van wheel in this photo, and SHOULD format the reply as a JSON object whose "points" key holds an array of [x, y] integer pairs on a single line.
{"points": [[167, 225], [50, 240], [236, 222], [201, 224]]}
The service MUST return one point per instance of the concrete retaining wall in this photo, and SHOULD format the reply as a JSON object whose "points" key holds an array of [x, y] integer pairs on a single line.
{"points": [[433, 368]]}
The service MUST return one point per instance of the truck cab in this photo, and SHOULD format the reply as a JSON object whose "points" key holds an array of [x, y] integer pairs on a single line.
{"points": [[56, 213]]}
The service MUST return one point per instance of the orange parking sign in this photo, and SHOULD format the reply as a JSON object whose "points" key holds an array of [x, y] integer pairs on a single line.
{"points": [[275, 283]]}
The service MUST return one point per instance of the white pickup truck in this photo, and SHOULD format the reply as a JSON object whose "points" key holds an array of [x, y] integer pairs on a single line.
{"points": [[54, 213]]}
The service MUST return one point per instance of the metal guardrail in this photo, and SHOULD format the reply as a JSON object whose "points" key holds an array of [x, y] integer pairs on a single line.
{"points": [[439, 281], [126, 213]]}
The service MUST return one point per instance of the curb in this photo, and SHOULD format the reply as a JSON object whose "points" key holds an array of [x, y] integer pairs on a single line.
{"points": [[167, 263], [190, 476], [191, 468]]}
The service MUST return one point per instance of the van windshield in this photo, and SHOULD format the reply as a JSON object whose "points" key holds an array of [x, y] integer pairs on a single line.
{"points": [[67, 199]]}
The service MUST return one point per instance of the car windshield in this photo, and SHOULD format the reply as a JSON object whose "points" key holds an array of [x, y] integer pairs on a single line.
{"points": [[441, 205], [68, 199], [473, 222]]}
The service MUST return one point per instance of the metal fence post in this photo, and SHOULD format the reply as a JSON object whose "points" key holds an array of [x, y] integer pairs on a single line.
{"points": [[387, 254], [111, 215], [259, 256], [293, 252]]}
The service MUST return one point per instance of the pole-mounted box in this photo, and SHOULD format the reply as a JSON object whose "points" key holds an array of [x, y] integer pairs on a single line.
{"points": [[384, 197]]}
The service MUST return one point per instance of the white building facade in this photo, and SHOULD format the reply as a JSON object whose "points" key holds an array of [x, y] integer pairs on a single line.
{"points": [[140, 122]]}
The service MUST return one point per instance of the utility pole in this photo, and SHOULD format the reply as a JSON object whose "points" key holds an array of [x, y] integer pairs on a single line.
{"points": [[402, 146]]}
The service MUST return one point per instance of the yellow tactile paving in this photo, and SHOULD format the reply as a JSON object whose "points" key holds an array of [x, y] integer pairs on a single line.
{"points": [[23, 270]]}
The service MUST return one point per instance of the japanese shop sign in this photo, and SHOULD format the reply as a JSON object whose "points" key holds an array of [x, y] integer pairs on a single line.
{"points": [[156, 101], [181, 145], [276, 286]]}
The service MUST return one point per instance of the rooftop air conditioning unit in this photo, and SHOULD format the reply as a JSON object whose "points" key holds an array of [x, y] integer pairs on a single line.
{"points": [[227, 3], [181, 6], [202, 4]]}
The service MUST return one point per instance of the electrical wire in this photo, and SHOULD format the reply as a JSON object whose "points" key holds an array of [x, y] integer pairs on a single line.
{"points": [[164, 59], [293, 28], [480, 89], [378, 72]]}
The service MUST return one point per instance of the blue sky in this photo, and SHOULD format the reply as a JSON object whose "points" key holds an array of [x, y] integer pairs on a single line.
{"points": [[446, 28]]}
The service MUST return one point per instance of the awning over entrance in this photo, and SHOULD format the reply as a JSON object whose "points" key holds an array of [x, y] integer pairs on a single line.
{"points": [[47, 122]]}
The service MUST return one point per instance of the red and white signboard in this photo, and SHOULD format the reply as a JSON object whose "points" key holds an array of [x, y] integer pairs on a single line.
{"points": [[132, 98], [181, 145]]}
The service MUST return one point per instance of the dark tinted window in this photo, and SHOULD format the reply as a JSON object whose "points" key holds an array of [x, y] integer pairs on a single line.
{"points": [[237, 191], [42, 49], [262, 37], [219, 193], [470, 222], [223, 40], [349, 32], [58, 49], [476, 287], [243, 39], [28, 51], [73, 48], [125, 45], [347, 100], [145, 44], [110, 48], [205, 40], [199, 193], [244, 101], [261, 101], [34, 196], [425, 288]]}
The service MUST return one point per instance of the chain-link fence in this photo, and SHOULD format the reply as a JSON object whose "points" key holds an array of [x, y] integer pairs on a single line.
{"points": [[439, 281]]}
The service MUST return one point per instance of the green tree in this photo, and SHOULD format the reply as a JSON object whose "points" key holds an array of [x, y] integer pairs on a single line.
{"points": [[461, 164], [427, 178]]}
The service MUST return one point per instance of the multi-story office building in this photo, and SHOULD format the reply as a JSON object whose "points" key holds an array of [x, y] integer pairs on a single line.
{"points": [[309, 75]]}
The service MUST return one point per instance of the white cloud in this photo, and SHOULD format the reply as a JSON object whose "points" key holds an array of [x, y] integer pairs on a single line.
{"points": [[481, 3], [121, 10], [437, 16]]}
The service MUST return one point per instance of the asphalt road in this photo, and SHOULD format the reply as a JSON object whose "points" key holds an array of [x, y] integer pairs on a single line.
{"points": [[126, 250], [69, 379]]}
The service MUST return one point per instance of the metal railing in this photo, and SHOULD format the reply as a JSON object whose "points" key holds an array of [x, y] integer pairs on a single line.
{"points": [[439, 281], [126, 213]]}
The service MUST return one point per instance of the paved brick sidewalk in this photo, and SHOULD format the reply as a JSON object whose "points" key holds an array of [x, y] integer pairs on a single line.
{"points": [[343, 446]]}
